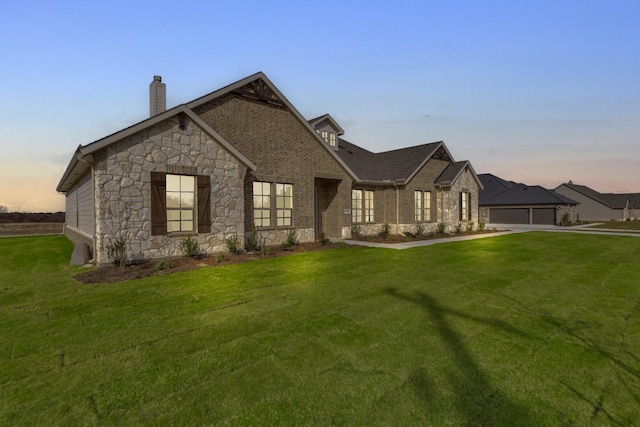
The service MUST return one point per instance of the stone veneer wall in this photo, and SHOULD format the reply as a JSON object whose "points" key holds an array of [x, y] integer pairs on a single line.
{"points": [[122, 188]]}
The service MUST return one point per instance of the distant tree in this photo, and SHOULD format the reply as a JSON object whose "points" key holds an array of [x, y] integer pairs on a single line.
{"points": [[3, 209]]}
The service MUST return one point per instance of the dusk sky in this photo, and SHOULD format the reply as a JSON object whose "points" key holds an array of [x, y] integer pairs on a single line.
{"points": [[539, 92]]}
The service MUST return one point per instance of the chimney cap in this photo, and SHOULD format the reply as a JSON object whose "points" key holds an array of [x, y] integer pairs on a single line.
{"points": [[157, 78]]}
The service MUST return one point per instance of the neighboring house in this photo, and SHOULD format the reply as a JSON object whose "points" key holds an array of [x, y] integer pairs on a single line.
{"points": [[243, 158], [595, 206], [507, 202]]}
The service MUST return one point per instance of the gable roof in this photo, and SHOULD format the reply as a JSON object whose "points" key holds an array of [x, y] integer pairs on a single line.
{"points": [[498, 191], [81, 161], [611, 200], [328, 118], [395, 165], [262, 85], [451, 173]]}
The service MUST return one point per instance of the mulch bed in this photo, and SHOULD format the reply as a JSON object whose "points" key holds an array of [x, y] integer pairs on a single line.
{"points": [[111, 274], [394, 238]]}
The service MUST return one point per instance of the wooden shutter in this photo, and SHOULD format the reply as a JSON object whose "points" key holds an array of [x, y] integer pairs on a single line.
{"points": [[469, 206], [158, 204], [204, 203], [460, 207]]}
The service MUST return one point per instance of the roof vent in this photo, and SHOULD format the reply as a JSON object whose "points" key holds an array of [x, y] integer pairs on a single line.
{"points": [[157, 96]]}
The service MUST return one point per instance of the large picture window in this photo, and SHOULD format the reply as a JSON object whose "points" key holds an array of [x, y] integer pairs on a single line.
{"points": [[181, 191], [284, 204], [262, 204]]}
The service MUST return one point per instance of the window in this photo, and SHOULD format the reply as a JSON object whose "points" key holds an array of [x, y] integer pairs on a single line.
{"points": [[356, 205], [180, 202], [465, 206], [332, 139], [329, 137], [284, 204], [368, 206], [262, 204], [422, 203], [427, 205]]}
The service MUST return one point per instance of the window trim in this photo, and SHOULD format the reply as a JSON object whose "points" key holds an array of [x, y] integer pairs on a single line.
{"points": [[182, 209], [283, 198], [264, 197]]}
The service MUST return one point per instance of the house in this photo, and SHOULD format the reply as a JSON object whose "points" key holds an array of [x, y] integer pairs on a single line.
{"points": [[595, 206], [243, 158], [507, 202]]}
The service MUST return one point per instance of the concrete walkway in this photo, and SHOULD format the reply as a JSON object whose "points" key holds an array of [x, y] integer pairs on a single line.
{"points": [[501, 230]]}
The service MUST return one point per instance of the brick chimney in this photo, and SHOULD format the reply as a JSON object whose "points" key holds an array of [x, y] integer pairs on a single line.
{"points": [[157, 96]]}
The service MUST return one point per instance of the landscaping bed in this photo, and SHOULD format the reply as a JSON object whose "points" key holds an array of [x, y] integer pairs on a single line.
{"points": [[159, 268]]}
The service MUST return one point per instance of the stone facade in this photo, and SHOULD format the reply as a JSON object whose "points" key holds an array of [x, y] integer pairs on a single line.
{"points": [[122, 189]]}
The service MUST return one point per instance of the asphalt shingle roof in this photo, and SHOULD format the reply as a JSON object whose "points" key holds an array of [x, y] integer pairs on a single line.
{"points": [[388, 165], [614, 201], [450, 173], [498, 191]]}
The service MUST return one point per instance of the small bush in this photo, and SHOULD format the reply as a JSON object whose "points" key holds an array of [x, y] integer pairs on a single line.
{"points": [[440, 228], [117, 252], [385, 230], [253, 241], [565, 219], [420, 229], [161, 266], [324, 241], [291, 240], [481, 226], [458, 228], [190, 248], [409, 235], [233, 243], [470, 227], [221, 257], [356, 230], [265, 250]]}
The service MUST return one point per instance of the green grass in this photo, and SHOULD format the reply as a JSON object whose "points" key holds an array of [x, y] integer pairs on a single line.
{"points": [[619, 225], [537, 329]]}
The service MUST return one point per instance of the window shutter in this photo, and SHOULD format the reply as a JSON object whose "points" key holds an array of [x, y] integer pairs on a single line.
{"points": [[204, 203], [158, 204], [460, 207], [469, 206]]}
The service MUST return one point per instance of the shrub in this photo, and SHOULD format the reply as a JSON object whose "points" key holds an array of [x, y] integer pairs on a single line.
{"points": [[409, 234], [420, 229], [162, 265], [291, 239], [458, 228], [117, 252], [481, 226], [565, 219], [440, 228], [265, 250], [324, 241], [190, 248], [356, 230], [221, 257], [470, 227], [233, 243], [385, 230], [253, 241]]}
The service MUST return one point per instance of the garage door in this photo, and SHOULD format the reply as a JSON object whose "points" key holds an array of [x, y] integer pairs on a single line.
{"points": [[544, 216], [509, 216]]}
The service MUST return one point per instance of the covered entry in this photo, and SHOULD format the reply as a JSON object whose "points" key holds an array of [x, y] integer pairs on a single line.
{"points": [[327, 209]]}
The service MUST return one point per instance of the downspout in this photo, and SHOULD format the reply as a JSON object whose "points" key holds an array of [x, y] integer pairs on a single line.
{"points": [[395, 184]]}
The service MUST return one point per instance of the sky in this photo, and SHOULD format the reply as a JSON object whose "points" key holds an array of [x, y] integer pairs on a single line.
{"points": [[540, 92]]}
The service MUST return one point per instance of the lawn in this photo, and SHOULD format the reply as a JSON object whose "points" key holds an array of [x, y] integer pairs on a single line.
{"points": [[619, 225], [538, 329]]}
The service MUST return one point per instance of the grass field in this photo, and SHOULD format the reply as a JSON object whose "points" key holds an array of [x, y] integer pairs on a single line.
{"points": [[539, 329], [619, 225]]}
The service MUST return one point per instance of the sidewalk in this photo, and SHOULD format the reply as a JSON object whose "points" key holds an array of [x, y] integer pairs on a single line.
{"points": [[502, 229]]}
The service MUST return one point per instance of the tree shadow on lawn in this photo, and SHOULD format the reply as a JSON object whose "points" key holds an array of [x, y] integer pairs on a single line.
{"points": [[579, 331], [478, 402]]}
